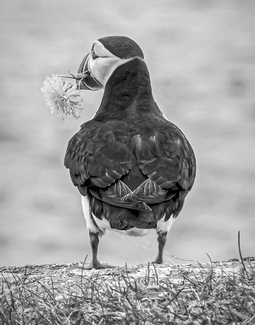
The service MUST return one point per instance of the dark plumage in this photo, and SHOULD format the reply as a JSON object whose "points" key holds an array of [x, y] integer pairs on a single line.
{"points": [[134, 167]]}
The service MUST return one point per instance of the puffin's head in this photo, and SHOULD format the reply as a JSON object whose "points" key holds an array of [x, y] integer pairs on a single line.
{"points": [[105, 55]]}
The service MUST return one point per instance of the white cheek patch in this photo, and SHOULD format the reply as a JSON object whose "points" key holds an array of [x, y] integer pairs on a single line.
{"points": [[100, 50], [102, 68]]}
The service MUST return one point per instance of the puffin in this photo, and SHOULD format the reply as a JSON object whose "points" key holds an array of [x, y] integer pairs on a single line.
{"points": [[131, 165]]}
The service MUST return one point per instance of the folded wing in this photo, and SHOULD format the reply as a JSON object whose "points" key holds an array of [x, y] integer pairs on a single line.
{"points": [[105, 162]]}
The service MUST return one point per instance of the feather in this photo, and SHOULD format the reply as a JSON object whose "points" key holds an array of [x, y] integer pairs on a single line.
{"points": [[144, 166]]}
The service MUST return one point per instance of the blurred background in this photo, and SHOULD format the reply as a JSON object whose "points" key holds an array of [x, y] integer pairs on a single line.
{"points": [[201, 57]]}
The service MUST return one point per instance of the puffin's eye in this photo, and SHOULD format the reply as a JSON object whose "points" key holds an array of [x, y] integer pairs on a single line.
{"points": [[93, 53]]}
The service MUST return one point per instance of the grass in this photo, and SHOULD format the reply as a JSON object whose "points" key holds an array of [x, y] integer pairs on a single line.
{"points": [[204, 294]]}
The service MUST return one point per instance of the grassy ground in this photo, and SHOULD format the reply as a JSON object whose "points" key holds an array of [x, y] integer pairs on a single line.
{"points": [[201, 58], [213, 293]]}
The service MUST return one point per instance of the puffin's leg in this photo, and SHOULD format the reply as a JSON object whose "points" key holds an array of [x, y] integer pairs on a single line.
{"points": [[161, 244], [94, 241], [93, 235], [94, 264]]}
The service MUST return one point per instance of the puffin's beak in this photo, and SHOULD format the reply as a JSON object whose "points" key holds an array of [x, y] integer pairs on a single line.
{"points": [[89, 81]]}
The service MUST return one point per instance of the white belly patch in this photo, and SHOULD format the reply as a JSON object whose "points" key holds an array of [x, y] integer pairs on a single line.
{"points": [[104, 225], [101, 225], [165, 226]]}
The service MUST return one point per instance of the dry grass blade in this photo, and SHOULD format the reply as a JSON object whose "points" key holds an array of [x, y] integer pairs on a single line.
{"points": [[241, 257], [210, 293]]}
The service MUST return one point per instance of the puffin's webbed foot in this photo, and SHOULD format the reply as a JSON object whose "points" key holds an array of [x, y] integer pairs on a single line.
{"points": [[94, 264]]}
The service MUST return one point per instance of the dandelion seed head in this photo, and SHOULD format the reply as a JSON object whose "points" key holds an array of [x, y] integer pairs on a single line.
{"points": [[62, 97]]}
